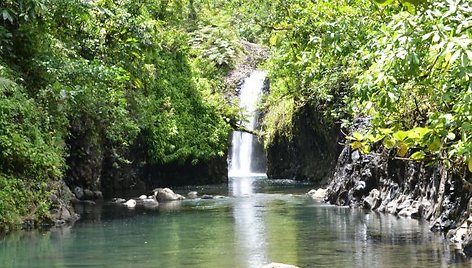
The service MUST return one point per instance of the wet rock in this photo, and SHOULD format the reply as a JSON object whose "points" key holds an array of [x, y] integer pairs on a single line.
{"points": [[392, 207], [97, 195], [118, 200], [355, 156], [166, 194], [89, 195], [358, 190], [373, 201], [192, 195], [61, 211], [318, 194], [88, 202], [207, 196], [130, 203], [150, 202], [310, 153], [143, 197], [467, 247], [79, 192], [414, 209]]}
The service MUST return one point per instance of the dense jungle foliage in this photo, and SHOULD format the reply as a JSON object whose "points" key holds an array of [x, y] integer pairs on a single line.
{"points": [[405, 65], [124, 70], [116, 71]]}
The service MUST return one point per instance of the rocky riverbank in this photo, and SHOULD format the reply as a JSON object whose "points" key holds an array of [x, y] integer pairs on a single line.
{"points": [[383, 183]]}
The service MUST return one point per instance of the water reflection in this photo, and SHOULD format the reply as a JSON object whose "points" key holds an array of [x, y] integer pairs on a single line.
{"points": [[249, 222], [257, 224]]}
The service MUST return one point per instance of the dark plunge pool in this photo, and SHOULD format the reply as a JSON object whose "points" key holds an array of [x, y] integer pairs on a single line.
{"points": [[260, 221]]}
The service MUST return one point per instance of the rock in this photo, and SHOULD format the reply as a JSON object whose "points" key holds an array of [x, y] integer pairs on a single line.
{"points": [[192, 195], [130, 203], [166, 194], [98, 195], [207, 196], [219, 197], [89, 195], [279, 265], [467, 247], [392, 207], [355, 156], [360, 186], [373, 200], [414, 209], [118, 200], [79, 192], [318, 194], [54, 199], [150, 202], [143, 197], [88, 202]]}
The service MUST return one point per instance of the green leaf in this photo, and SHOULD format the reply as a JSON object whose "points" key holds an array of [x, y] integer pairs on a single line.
{"points": [[358, 136], [376, 138], [420, 155], [470, 165], [434, 145], [389, 143], [400, 135], [420, 131]]}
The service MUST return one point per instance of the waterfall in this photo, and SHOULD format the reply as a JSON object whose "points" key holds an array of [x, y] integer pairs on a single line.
{"points": [[243, 143]]}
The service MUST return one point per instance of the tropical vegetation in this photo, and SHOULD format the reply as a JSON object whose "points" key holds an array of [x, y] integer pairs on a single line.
{"points": [[121, 71]]}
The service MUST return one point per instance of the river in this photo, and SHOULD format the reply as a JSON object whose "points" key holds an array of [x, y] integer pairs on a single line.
{"points": [[258, 222]]}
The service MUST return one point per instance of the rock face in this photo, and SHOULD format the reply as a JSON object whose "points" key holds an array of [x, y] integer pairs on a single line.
{"points": [[405, 188], [94, 174], [61, 210], [310, 154]]}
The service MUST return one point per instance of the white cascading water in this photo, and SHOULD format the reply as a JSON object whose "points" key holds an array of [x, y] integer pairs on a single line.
{"points": [[242, 142]]}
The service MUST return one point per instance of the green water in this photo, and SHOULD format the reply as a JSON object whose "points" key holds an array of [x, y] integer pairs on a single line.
{"points": [[259, 222]]}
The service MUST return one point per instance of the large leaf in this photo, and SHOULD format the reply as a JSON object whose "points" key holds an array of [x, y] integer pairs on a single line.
{"points": [[402, 149], [400, 135]]}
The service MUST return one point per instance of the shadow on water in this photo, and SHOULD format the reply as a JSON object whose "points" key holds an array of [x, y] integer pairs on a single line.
{"points": [[259, 221]]}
